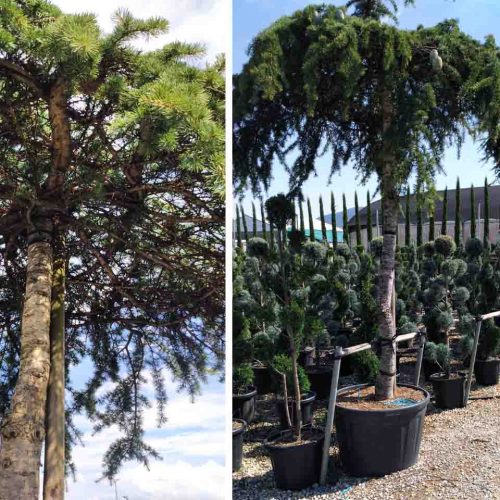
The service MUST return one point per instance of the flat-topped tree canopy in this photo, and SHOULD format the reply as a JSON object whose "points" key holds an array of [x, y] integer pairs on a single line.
{"points": [[315, 82]]}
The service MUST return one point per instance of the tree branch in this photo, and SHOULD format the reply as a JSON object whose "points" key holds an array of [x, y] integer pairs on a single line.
{"points": [[21, 75]]}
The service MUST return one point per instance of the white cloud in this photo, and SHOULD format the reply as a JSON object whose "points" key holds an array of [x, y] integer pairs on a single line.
{"points": [[203, 21], [191, 445]]}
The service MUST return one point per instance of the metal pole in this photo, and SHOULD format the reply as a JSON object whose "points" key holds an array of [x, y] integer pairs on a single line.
{"points": [[420, 357], [331, 413], [472, 361]]}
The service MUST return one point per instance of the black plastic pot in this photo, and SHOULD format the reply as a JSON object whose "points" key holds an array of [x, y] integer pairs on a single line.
{"points": [[306, 409], [306, 357], [244, 405], [298, 466], [487, 372], [321, 379], [379, 442], [262, 378], [448, 392], [238, 444], [429, 368]]}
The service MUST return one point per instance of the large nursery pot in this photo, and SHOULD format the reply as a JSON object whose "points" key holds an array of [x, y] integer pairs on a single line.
{"points": [[320, 378], [239, 428], [306, 357], [244, 405], [379, 442], [262, 378], [296, 466], [487, 371], [448, 390], [306, 409]]}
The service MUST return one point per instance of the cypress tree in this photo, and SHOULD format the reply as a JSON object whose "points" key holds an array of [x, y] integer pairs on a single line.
{"points": [[472, 212], [254, 220], [369, 228], [419, 218], [244, 222], [444, 219], [458, 222], [312, 236], [334, 220], [486, 238], [431, 225], [358, 225], [294, 216], [271, 232], [407, 218], [322, 217], [345, 221], [238, 228], [263, 217], [301, 214]]}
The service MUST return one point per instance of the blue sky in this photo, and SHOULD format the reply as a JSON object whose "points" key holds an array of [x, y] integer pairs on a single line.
{"points": [[191, 443], [476, 17]]}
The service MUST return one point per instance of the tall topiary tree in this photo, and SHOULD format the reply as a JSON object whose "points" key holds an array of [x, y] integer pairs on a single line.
{"points": [[322, 218], [486, 239], [301, 215], [254, 221], [407, 218], [238, 228], [345, 221], [358, 225], [369, 227], [444, 218], [263, 218], [418, 197], [458, 218], [334, 220], [112, 216], [312, 236], [432, 229], [244, 223], [472, 212], [307, 78]]}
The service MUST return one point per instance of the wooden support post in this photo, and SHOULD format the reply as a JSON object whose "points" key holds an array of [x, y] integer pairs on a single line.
{"points": [[472, 360], [330, 415], [420, 357]]}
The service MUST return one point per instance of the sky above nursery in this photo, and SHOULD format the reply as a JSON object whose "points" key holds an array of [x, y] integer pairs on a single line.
{"points": [[191, 443], [476, 17]]}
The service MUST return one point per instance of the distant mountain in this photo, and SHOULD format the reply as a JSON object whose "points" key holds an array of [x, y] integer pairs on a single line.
{"points": [[338, 217]]}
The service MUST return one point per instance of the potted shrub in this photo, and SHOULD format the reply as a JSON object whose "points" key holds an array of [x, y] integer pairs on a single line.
{"points": [[296, 452], [282, 366], [239, 428], [487, 365], [244, 393], [448, 387]]}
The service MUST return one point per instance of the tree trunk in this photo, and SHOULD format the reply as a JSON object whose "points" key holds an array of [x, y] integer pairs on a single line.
{"points": [[386, 380], [53, 479], [24, 427]]}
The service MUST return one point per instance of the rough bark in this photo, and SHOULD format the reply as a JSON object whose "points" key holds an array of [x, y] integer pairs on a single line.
{"points": [[54, 472], [24, 428]]}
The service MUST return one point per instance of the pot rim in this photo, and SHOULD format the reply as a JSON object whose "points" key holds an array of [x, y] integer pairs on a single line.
{"points": [[488, 359], [422, 402], [268, 442], [246, 395], [308, 397], [438, 376], [241, 429]]}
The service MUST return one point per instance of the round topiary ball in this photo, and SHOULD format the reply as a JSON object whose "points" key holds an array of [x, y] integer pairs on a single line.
{"points": [[280, 210], [314, 251], [376, 246], [428, 249], [445, 245], [473, 247], [343, 250], [257, 247], [461, 295], [449, 268]]}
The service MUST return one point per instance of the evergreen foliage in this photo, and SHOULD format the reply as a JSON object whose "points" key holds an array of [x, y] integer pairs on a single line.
{"points": [[322, 218], [312, 235], [458, 219], [263, 218], [345, 221], [358, 226], [334, 220], [254, 221], [407, 218], [124, 151], [302, 225], [238, 228], [369, 226]]}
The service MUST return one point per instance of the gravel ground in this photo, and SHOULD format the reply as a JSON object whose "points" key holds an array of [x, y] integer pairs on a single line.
{"points": [[459, 457]]}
